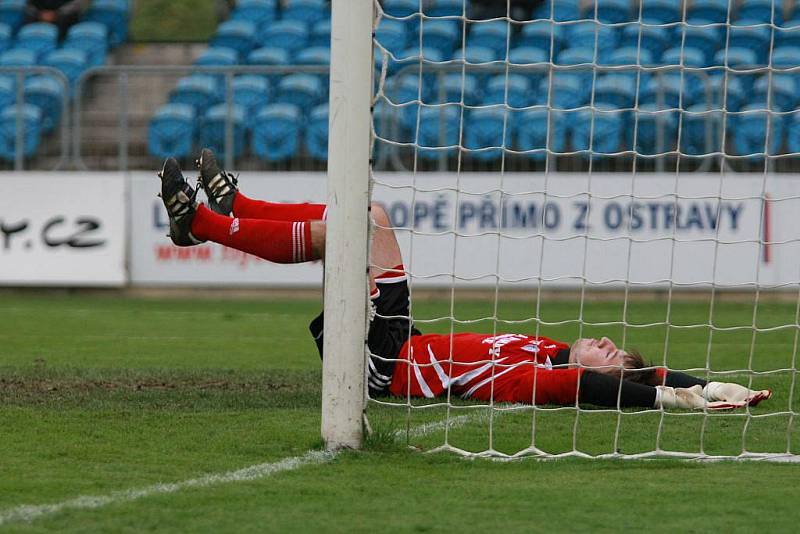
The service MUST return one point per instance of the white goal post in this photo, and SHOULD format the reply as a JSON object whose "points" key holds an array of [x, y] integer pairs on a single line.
{"points": [[346, 264]]}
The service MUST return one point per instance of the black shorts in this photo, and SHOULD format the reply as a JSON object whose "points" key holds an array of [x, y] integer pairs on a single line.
{"points": [[389, 329]]}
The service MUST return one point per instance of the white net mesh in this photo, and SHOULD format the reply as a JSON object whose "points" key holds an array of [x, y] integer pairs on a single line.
{"points": [[607, 168]]}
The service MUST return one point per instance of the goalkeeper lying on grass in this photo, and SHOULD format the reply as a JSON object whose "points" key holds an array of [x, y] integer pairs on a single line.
{"points": [[404, 362]]}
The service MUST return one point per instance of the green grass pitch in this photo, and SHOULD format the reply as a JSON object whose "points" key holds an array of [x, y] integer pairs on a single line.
{"points": [[107, 394]]}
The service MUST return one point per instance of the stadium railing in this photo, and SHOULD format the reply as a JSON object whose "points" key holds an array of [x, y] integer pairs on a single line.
{"points": [[16, 151]]}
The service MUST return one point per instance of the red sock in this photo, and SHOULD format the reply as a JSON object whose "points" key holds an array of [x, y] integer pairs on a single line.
{"points": [[276, 241], [248, 208]]}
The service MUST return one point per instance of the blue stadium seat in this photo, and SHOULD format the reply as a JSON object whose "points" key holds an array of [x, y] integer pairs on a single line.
{"points": [[447, 8], [316, 138], [443, 35], [453, 85], [793, 133], [317, 55], [211, 132], [71, 61], [662, 11], [541, 34], [701, 130], [411, 59], [576, 56], [742, 34], [112, 13], [603, 127], [302, 90], [589, 34], [239, 35], [738, 59], [750, 132], [6, 37], [514, 90], [484, 130], [615, 91], [568, 92], [780, 89], [789, 36], [8, 92], [259, 12], [401, 8], [402, 89], [200, 91], [630, 56], [289, 34], [31, 120], [613, 11], [562, 10], [693, 80], [708, 10], [306, 11], [270, 56], [172, 131], [252, 92], [217, 56], [439, 127], [762, 11], [726, 90], [92, 38], [656, 130], [41, 37], [534, 127], [391, 34], [321, 34], [18, 57], [46, 93], [492, 34], [12, 12], [527, 55], [276, 134], [668, 92], [654, 39], [703, 37]]}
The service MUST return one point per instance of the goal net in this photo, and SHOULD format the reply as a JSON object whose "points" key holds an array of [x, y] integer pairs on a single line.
{"points": [[574, 169]]}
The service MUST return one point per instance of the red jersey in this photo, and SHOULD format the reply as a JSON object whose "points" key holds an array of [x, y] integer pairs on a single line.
{"points": [[505, 367]]}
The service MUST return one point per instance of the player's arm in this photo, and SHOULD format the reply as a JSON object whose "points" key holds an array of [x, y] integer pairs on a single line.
{"points": [[608, 390]]}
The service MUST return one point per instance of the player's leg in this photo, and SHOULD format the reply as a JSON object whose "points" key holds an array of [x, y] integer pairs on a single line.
{"points": [[192, 223], [224, 197]]}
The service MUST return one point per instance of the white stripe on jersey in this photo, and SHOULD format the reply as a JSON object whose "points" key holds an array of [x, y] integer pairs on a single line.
{"points": [[485, 381], [426, 390]]}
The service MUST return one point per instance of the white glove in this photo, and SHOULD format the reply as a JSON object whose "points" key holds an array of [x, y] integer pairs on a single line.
{"points": [[690, 399], [734, 393]]}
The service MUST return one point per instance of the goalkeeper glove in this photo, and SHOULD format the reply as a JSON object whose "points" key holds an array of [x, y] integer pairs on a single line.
{"points": [[734, 393], [690, 399]]}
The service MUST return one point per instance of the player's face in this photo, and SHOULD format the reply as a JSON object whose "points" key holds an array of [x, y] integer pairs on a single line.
{"points": [[600, 353]]}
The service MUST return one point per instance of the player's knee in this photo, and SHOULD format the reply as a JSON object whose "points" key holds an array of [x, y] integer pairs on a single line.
{"points": [[318, 230], [380, 216]]}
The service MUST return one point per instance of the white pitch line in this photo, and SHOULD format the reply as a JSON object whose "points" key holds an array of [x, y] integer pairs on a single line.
{"points": [[89, 502], [29, 512]]}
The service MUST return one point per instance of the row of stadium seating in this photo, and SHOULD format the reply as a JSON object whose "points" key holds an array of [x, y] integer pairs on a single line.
{"points": [[618, 11], [489, 41], [700, 131], [104, 25], [628, 76], [278, 132]]}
